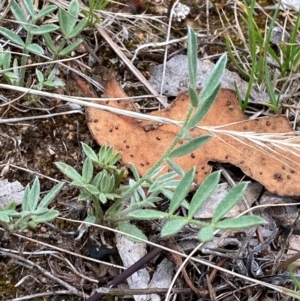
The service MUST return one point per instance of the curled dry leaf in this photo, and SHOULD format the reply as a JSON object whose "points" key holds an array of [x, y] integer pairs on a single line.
{"points": [[247, 144]]}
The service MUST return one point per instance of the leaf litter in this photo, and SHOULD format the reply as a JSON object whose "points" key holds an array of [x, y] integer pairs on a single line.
{"points": [[266, 149]]}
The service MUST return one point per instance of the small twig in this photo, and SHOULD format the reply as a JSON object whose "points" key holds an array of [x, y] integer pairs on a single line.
{"points": [[132, 68], [128, 272], [44, 294], [21, 119], [146, 291]]}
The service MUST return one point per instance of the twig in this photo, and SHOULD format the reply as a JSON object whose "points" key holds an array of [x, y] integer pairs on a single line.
{"points": [[127, 273], [21, 119], [133, 69], [44, 294], [146, 291]]}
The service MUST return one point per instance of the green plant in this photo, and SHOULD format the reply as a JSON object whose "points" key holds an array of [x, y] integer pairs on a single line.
{"points": [[260, 52], [5, 65], [69, 26], [290, 52], [51, 82], [33, 210], [90, 13], [131, 201], [31, 29], [105, 185]]}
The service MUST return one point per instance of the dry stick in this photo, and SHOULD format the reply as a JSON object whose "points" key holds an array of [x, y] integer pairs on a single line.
{"points": [[40, 295], [134, 70], [127, 273], [147, 291]]}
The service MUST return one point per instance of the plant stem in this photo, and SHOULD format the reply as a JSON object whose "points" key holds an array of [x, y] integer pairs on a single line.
{"points": [[98, 210], [157, 164], [24, 59]]}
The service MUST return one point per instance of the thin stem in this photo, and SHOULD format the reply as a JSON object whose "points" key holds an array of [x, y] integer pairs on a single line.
{"points": [[156, 165], [24, 58], [98, 210]]}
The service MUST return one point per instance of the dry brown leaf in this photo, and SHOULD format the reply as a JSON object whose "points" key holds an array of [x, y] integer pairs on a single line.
{"points": [[143, 142]]}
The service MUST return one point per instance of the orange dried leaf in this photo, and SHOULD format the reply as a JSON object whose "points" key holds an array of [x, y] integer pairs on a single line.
{"points": [[143, 142]]}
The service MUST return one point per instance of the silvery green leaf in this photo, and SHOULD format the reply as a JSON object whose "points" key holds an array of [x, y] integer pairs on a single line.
{"points": [[39, 75], [189, 146], [19, 14], [11, 206], [46, 217], [214, 79], [182, 190], [108, 154], [89, 152], [173, 226], [49, 197], [90, 219], [102, 197], [138, 195], [35, 48], [53, 84], [13, 213], [97, 180], [203, 109], [40, 210], [30, 225], [29, 7], [78, 183], [112, 196], [67, 50], [192, 58], [45, 11], [34, 195], [161, 179], [68, 171], [24, 224], [5, 60], [111, 183], [104, 182], [240, 222], [233, 196], [42, 29], [147, 214], [102, 153], [4, 217], [87, 170], [203, 192], [25, 214], [11, 76], [167, 193], [132, 230], [49, 42], [10, 35], [171, 184], [84, 196], [68, 20], [155, 172], [78, 28], [92, 189], [51, 76], [175, 167], [206, 234], [149, 202], [193, 97], [134, 172], [115, 158]]}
